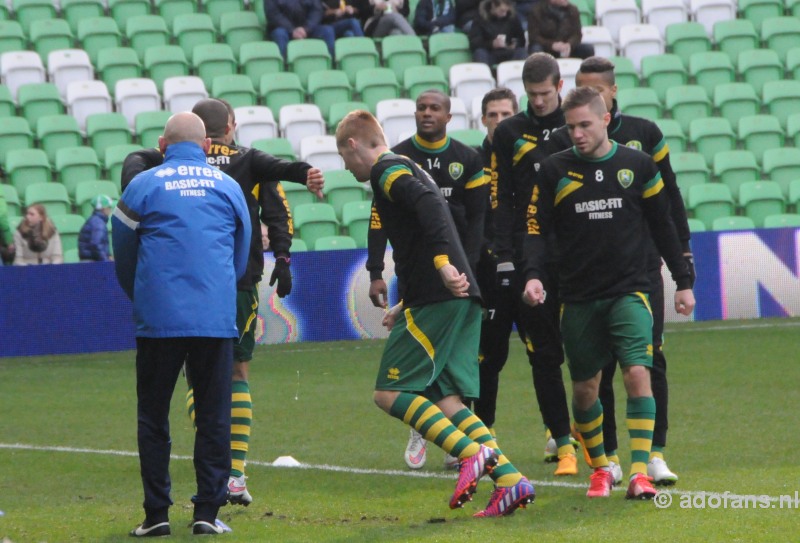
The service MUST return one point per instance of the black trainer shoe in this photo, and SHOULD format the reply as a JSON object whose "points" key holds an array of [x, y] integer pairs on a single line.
{"points": [[202, 527], [146, 529]]}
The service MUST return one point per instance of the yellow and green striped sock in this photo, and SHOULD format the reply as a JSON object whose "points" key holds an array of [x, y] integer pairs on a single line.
{"points": [[590, 424], [241, 420], [641, 413]]}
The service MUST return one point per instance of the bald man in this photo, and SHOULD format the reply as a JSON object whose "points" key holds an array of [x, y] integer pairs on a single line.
{"points": [[181, 235]]}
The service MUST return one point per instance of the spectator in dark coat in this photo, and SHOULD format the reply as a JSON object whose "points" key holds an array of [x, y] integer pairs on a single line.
{"points": [[344, 17], [554, 26], [466, 11], [297, 20], [496, 34], [432, 16], [93, 237]]}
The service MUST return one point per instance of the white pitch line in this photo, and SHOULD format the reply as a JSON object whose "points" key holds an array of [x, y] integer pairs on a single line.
{"points": [[364, 471]]}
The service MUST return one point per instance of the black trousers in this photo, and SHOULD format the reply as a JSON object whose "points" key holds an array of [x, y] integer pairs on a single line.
{"points": [[658, 375], [209, 364]]}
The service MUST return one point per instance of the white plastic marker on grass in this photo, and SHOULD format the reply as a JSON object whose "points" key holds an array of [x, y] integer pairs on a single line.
{"points": [[285, 462]]}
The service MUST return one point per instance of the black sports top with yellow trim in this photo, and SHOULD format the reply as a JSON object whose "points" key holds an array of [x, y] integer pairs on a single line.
{"points": [[416, 219], [599, 210]]}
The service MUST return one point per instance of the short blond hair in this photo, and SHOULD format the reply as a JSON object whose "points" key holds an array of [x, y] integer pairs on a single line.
{"points": [[362, 126]]}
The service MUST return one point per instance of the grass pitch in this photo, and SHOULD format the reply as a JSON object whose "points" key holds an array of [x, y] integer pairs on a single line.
{"points": [[70, 471]]}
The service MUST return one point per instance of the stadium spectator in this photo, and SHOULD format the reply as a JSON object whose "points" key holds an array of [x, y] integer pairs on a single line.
{"points": [[387, 18], [523, 9], [466, 11], [343, 17], [440, 310], [496, 34], [297, 20], [93, 237], [36, 239], [6, 236], [554, 26], [434, 16], [179, 252]]}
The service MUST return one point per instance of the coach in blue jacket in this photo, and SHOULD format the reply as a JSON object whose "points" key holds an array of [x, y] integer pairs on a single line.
{"points": [[181, 234]]}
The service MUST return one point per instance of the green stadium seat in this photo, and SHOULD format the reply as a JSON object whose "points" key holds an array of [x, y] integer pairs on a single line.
{"points": [[711, 135], [87, 190], [69, 227], [12, 37], [377, 84], [781, 34], [297, 194], [354, 54], [122, 10], [116, 63], [757, 11], [257, 59], [759, 66], [468, 136], [240, 27], [673, 134], [217, 9], [696, 225], [686, 103], [57, 131], [710, 201], [4, 11], [212, 60], [298, 245], [448, 48], [625, 73], [53, 196], [690, 169], [342, 187], [26, 167], [306, 56], [757, 133], [236, 89], [711, 69], [733, 222], [734, 36], [733, 168], [277, 147], [782, 98], [782, 166], [314, 221], [334, 243], [9, 193], [736, 100], [170, 9], [15, 133], [106, 129], [685, 39], [339, 110], [794, 194], [793, 129], [114, 157], [98, 33], [145, 31], [192, 29], [7, 106], [281, 89], [328, 87], [74, 165], [759, 199], [38, 100], [149, 125], [401, 52], [663, 71], [793, 63], [356, 217], [793, 8], [29, 11], [782, 220], [418, 79], [163, 61], [75, 11], [641, 102]]}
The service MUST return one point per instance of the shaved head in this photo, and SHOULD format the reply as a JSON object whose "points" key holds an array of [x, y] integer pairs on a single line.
{"points": [[182, 127]]}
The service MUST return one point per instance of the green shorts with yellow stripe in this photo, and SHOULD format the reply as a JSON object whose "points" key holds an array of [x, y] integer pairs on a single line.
{"points": [[598, 332], [432, 350], [246, 321]]}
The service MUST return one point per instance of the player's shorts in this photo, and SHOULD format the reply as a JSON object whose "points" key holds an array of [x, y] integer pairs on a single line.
{"points": [[600, 331], [246, 319], [432, 350]]}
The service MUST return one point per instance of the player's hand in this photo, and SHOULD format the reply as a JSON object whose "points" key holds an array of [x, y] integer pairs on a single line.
{"points": [[378, 293], [283, 276], [455, 282], [390, 316], [534, 293], [315, 182], [505, 274], [684, 302], [689, 258]]}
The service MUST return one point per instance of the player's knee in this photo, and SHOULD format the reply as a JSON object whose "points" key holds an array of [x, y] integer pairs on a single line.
{"points": [[637, 381], [384, 399]]}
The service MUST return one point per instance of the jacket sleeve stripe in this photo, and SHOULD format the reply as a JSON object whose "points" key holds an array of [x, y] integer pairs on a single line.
{"points": [[127, 216]]}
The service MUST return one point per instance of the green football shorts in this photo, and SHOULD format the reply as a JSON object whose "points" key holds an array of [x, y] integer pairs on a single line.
{"points": [[246, 320], [432, 350], [600, 331]]}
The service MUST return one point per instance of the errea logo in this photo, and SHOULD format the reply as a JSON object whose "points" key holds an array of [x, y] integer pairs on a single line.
{"points": [[165, 172]]}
